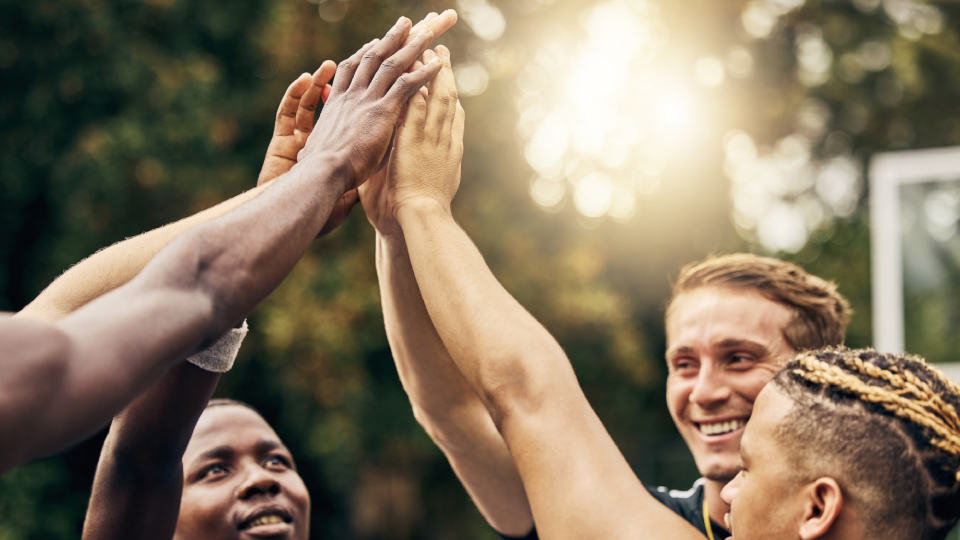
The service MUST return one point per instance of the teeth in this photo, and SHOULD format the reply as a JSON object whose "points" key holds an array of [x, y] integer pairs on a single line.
{"points": [[719, 428], [269, 519]]}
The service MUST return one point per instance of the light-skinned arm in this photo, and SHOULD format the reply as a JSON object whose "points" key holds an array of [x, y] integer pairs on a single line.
{"points": [[577, 481], [61, 382], [443, 403]]}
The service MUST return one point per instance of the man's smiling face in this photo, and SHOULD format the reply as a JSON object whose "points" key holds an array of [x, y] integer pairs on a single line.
{"points": [[240, 481], [723, 346]]}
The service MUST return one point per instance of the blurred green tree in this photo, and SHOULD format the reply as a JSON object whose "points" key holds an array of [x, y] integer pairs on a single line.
{"points": [[117, 117]]}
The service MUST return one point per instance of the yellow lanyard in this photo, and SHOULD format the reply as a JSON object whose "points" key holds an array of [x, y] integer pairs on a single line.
{"points": [[706, 518]]}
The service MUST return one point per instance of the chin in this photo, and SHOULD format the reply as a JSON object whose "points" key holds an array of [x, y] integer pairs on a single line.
{"points": [[719, 470]]}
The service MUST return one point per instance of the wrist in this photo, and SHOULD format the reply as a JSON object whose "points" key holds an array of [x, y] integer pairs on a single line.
{"points": [[420, 208], [327, 169]]}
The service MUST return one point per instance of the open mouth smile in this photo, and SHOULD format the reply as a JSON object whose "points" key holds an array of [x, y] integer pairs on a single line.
{"points": [[265, 518], [712, 429]]}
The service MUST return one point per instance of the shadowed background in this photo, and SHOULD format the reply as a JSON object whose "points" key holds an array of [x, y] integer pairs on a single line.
{"points": [[608, 143]]}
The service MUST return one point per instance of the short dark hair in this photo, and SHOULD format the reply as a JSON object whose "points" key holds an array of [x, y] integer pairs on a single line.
{"points": [[886, 428], [820, 312]]}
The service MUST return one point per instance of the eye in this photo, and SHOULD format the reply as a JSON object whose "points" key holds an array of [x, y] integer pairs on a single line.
{"points": [[684, 366], [277, 460], [740, 359], [212, 471]]}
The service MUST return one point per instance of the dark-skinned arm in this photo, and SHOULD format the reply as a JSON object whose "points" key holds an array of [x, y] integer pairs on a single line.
{"points": [[59, 383], [136, 492], [139, 480]]}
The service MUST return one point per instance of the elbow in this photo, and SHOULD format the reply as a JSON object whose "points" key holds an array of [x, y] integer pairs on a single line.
{"points": [[525, 388]]}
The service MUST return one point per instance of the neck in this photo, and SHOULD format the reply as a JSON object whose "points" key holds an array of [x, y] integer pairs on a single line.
{"points": [[716, 506]]}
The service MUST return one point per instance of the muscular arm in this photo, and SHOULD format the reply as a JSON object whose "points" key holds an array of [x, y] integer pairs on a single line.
{"points": [[136, 492], [59, 383], [443, 402], [578, 483], [111, 267], [577, 480]]}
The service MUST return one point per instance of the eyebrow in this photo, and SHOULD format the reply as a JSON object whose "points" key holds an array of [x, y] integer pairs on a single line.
{"points": [[733, 343], [220, 452], [729, 343], [265, 445]]}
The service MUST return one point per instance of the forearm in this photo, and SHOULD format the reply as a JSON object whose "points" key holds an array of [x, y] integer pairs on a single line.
{"points": [[202, 284], [136, 491], [430, 378], [444, 403], [501, 350], [578, 483], [237, 260], [114, 266]]}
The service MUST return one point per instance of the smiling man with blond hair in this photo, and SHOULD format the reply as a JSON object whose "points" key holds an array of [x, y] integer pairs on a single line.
{"points": [[497, 394]]}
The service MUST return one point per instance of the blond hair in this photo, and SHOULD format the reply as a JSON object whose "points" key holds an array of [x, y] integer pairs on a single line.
{"points": [[820, 312]]}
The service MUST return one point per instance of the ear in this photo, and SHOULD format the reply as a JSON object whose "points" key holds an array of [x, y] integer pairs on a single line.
{"points": [[823, 501]]}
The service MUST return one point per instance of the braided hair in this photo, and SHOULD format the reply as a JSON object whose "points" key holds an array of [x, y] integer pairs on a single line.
{"points": [[886, 428]]}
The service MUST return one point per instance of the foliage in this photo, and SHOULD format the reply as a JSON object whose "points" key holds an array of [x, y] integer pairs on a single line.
{"points": [[121, 116]]}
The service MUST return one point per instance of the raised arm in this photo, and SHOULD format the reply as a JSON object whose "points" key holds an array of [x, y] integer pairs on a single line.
{"points": [[578, 483], [443, 403], [138, 485], [139, 480], [60, 383], [114, 266]]}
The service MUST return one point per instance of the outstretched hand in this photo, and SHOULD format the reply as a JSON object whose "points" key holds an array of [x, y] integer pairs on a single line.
{"points": [[295, 120], [424, 164], [368, 93], [293, 126]]}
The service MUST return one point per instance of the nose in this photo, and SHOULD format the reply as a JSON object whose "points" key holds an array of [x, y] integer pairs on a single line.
{"points": [[711, 388], [730, 490], [258, 482]]}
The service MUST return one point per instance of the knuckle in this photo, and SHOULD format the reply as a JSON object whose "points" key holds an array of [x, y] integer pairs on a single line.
{"points": [[392, 35], [447, 98], [390, 64], [373, 54], [347, 65], [403, 83]]}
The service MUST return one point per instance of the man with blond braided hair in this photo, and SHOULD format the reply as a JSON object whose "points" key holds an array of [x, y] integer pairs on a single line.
{"points": [[850, 444]]}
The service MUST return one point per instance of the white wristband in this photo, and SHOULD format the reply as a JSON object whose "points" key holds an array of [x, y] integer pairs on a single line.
{"points": [[219, 357]]}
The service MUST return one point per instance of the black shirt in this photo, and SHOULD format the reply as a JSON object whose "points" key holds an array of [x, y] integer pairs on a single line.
{"points": [[687, 504]]}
